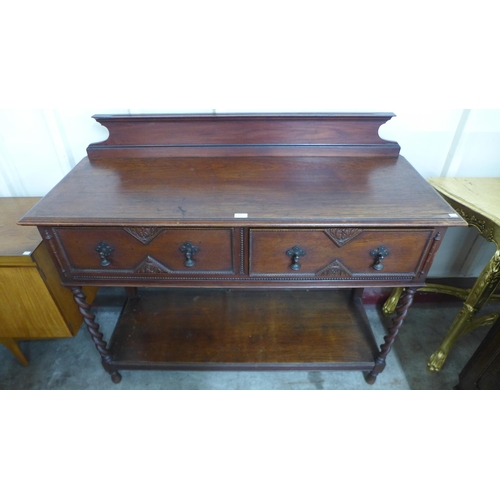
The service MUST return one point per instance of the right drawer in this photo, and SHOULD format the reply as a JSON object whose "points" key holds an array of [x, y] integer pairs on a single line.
{"points": [[338, 253]]}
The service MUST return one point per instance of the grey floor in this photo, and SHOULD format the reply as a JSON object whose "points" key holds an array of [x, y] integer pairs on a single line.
{"points": [[74, 363]]}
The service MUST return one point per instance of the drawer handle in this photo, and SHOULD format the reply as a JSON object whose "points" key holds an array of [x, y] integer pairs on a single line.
{"points": [[104, 251], [379, 254], [295, 253], [189, 249]]}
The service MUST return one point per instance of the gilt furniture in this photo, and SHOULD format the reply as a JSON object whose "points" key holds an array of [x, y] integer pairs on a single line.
{"points": [[33, 303], [245, 240], [477, 200]]}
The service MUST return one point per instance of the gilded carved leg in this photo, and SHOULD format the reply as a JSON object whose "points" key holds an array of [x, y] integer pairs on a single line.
{"points": [[486, 320], [390, 304], [482, 290], [12, 346], [401, 310], [96, 335]]}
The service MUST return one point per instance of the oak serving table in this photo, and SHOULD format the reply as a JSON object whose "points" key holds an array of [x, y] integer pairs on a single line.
{"points": [[245, 240]]}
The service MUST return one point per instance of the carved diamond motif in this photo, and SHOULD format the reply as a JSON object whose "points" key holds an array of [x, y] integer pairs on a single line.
{"points": [[144, 234], [335, 270], [343, 235], [150, 266]]}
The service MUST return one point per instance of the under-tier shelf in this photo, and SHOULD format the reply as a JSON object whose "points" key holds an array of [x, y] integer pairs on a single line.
{"points": [[242, 329]]}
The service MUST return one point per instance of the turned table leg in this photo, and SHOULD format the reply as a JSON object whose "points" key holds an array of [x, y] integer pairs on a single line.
{"points": [[401, 310], [482, 290], [93, 329]]}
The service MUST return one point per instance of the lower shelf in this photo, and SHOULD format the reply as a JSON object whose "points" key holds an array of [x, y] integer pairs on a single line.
{"points": [[243, 330]]}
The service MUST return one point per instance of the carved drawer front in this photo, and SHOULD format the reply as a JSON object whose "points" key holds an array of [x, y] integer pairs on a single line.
{"points": [[148, 250], [346, 253]]}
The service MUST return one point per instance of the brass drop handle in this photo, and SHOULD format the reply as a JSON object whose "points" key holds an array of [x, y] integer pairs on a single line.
{"points": [[189, 250], [379, 254], [104, 250], [295, 253]]}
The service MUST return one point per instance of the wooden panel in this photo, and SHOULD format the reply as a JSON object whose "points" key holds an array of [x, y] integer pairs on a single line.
{"points": [[271, 191], [168, 134], [16, 240], [34, 304], [279, 328], [268, 252], [162, 252], [62, 297], [28, 310]]}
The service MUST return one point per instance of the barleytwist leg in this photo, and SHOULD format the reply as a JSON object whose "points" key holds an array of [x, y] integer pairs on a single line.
{"points": [[93, 329], [401, 310]]}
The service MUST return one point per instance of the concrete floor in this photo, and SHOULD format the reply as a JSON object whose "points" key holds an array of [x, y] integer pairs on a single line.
{"points": [[74, 363]]}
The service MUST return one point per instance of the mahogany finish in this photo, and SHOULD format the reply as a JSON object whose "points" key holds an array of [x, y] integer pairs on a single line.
{"points": [[326, 256], [274, 192], [199, 204], [401, 311], [225, 329], [139, 251], [244, 135]]}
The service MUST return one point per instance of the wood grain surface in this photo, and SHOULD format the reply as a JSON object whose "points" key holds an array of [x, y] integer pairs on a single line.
{"points": [[298, 177], [238, 328], [481, 193], [15, 240], [310, 191]]}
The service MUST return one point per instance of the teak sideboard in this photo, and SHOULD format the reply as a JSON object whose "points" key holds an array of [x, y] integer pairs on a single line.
{"points": [[33, 303], [244, 240]]}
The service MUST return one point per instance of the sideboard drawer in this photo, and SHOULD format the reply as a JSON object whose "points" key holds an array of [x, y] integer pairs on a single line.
{"points": [[147, 250], [337, 253]]}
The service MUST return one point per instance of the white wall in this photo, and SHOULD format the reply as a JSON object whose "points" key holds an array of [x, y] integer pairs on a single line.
{"points": [[39, 146]]}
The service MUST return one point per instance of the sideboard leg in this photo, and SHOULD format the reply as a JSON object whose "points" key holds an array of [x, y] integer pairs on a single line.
{"points": [[93, 329], [401, 310]]}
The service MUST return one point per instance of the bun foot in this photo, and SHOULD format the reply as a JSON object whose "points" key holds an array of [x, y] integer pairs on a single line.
{"points": [[116, 377], [371, 378]]}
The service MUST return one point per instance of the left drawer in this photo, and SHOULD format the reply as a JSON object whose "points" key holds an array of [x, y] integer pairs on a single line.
{"points": [[146, 250]]}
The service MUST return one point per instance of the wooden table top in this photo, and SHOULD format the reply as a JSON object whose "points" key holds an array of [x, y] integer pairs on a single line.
{"points": [[282, 191], [16, 240], [481, 194]]}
